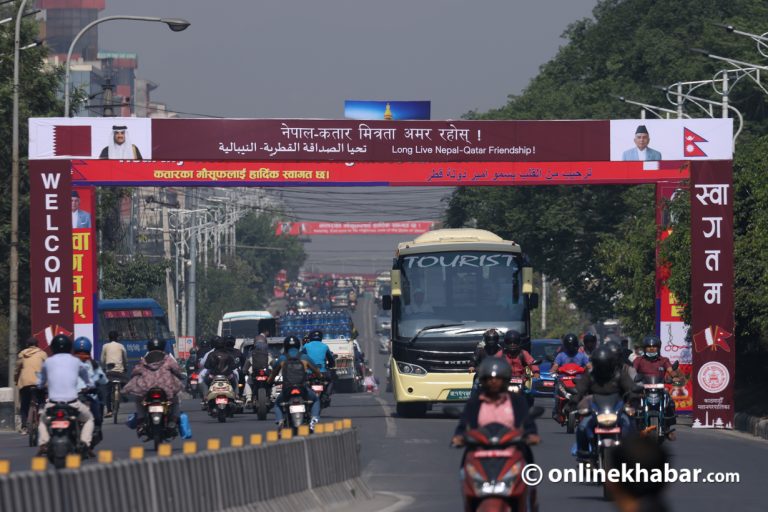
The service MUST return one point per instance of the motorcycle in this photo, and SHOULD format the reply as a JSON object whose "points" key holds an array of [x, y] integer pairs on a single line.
{"points": [[64, 429], [261, 393], [158, 409], [565, 386], [221, 398], [492, 470], [193, 384], [607, 431], [296, 409], [319, 386], [524, 383], [653, 404]]}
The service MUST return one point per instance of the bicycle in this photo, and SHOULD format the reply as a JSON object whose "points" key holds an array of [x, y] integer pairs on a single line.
{"points": [[33, 416], [115, 383]]}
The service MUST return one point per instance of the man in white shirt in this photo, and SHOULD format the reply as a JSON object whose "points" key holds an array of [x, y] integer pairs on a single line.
{"points": [[641, 151], [114, 361], [60, 375]]}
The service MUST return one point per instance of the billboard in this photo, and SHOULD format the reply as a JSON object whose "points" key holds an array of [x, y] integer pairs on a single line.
{"points": [[387, 110], [310, 228]]}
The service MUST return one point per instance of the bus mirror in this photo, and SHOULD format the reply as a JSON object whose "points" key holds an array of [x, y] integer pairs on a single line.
{"points": [[527, 280], [386, 302], [533, 300], [394, 277]]}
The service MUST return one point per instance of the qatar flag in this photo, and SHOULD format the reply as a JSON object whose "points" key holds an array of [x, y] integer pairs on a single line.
{"points": [[712, 339]]}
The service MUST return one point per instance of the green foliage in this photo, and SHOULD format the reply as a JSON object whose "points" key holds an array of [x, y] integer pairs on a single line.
{"points": [[562, 316], [599, 242], [136, 277]]}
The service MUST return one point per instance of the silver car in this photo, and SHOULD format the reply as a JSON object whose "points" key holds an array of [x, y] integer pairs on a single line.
{"points": [[383, 323]]}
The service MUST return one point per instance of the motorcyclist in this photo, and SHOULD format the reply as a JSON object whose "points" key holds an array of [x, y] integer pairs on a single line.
{"points": [[652, 363], [321, 356], [589, 344], [489, 346], [294, 367], [495, 404], [604, 379], [28, 365], [620, 358], [218, 361], [517, 357], [94, 392], [569, 354], [60, 374], [114, 361], [259, 360], [155, 369], [206, 348]]}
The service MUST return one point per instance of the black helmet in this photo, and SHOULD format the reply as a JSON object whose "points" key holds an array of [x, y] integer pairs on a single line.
{"points": [[590, 340], [603, 364], [217, 342], [316, 335], [651, 341], [61, 344], [291, 342], [494, 367], [204, 346], [513, 342], [230, 341], [570, 344], [615, 350], [491, 338], [155, 344]]}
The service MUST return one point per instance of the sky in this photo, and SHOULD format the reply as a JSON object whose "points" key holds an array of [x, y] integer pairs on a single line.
{"points": [[304, 58]]}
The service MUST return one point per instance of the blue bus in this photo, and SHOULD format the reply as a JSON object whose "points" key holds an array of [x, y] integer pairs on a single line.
{"points": [[136, 322]]}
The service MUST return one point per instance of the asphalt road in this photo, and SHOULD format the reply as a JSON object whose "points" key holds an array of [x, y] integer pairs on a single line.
{"points": [[410, 458]]}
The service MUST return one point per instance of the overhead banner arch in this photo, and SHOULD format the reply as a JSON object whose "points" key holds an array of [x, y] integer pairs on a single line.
{"points": [[77, 154]]}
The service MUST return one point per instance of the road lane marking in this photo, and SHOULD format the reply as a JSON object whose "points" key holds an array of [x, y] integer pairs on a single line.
{"points": [[388, 419]]}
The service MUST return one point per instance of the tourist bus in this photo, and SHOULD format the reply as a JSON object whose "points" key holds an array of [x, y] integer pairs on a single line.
{"points": [[449, 286]]}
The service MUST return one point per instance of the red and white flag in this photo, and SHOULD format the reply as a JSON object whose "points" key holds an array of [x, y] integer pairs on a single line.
{"points": [[712, 338], [690, 143]]}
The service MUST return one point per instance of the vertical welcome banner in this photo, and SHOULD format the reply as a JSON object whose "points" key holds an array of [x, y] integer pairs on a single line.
{"points": [[83, 262], [714, 354], [50, 249]]}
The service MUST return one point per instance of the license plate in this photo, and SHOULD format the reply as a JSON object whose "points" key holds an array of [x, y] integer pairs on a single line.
{"points": [[653, 386], [296, 408], [482, 454], [516, 381], [548, 384], [261, 378], [221, 400], [614, 430], [60, 424], [156, 408], [193, 382], [459, 394], [317, 389]]}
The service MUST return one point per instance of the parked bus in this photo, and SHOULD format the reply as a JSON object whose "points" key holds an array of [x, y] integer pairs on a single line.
{"points": [[136, 322], [448, 287]]}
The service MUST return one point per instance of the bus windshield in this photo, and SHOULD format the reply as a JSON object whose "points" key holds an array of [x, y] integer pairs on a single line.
{"points": [[475, 288]]}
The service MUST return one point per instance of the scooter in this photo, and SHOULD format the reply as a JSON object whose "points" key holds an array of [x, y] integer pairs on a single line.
{"points": [[565, 386], [193, 383], [493, 467], [64, 429], [221, 398], [156, 428]]}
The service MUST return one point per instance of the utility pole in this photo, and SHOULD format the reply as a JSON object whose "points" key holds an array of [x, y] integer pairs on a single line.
{"points": [[543, 303], [169, 290], [191, 283]]}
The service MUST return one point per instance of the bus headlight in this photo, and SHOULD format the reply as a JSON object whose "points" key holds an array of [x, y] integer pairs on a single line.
{"points": [[410, 369]]}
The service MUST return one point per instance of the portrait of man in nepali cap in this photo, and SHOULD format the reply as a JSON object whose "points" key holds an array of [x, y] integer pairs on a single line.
{"points": [[120, 148], [641, 151]]}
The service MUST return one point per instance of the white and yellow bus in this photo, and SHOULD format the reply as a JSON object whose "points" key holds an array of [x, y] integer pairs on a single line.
{"points": [[448, 287]]}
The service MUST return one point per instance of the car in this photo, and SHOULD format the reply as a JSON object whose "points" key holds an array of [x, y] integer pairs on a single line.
{"points": [[383, 344], [544, 349], [383, 322], [302, 306], [340, 298]]}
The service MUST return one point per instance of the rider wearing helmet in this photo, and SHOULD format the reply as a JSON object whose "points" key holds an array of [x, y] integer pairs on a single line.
{"points": [[218, 362], [60, 374], [294, 367], [495, 404], [321, 356], [155, 369], [517, 357], [653, 363], [258, 359], [489, 346], [237, 355], [570, 354], [604, 379], [92, 394], [589, 344]]}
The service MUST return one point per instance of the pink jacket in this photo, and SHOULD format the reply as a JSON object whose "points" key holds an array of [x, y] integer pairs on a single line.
{"points": [[164, 374]]}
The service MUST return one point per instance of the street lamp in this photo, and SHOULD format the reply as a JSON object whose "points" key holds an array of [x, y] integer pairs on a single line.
{"points": [[176, 25]]}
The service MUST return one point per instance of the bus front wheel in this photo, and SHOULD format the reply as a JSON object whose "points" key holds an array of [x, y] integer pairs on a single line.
{"points": [[411, 409]]}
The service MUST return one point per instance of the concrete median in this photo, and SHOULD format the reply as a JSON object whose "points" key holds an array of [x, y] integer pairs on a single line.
{"points": [[304, 473]]}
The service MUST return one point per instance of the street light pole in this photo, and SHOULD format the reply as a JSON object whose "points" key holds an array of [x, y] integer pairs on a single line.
{"points": [[13, 303], [177, 25]]}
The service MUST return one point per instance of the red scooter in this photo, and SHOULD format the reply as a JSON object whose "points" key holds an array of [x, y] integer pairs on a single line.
{"points": [[493, 468], [565, 387]]}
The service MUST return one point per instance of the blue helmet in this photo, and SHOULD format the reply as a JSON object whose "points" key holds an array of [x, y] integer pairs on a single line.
{"points": [[82, 344]]}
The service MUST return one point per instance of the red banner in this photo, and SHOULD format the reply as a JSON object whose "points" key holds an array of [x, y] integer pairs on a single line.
{"points": [[50, 249], [195, 173], [714, 354], [84, 280], [352, 228]]}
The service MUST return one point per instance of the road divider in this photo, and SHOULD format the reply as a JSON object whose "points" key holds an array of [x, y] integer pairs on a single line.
{"points": [[310, 471]]}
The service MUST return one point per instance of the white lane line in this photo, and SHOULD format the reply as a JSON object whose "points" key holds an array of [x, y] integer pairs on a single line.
{"points": [[402, 501], [388, 419]]}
